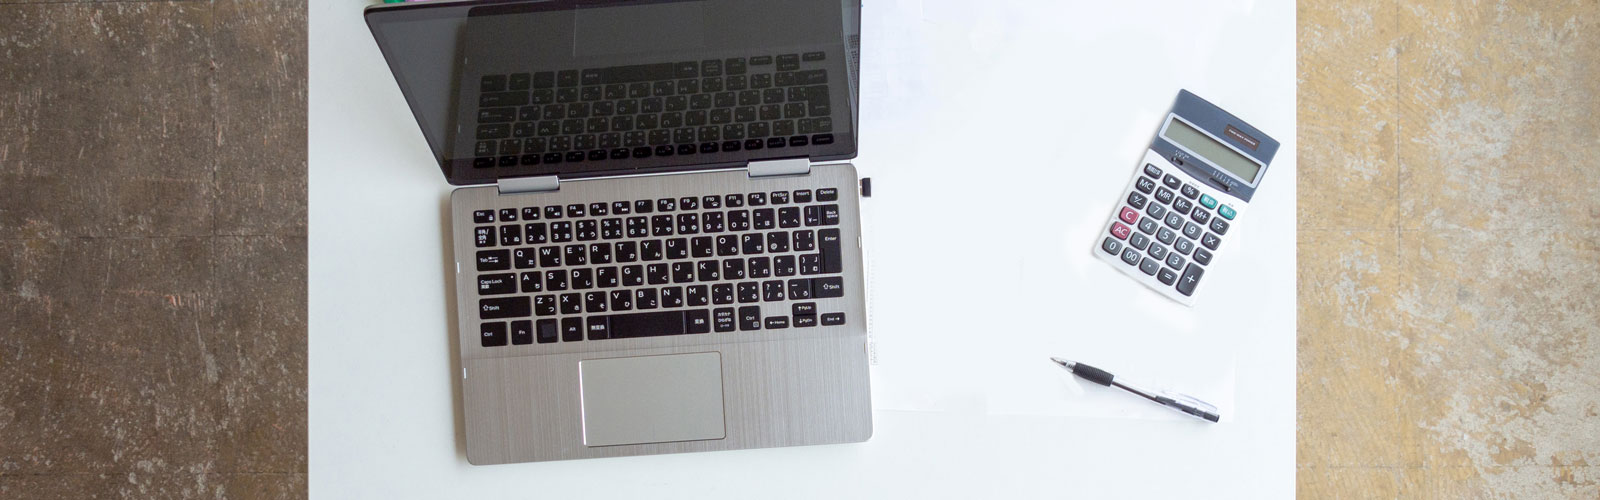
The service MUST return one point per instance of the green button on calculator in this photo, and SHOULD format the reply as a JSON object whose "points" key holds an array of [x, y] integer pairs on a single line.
{"points": [[1156, 235]]}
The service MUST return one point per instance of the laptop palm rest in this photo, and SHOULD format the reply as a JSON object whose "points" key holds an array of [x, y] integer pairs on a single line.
{"points": [[652, 399]]}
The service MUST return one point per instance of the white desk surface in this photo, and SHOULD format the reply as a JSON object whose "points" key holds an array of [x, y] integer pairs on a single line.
{"points": [[1017, 122]]}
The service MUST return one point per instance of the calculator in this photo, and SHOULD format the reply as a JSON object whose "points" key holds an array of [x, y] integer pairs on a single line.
{"points": [[1184, 202]]}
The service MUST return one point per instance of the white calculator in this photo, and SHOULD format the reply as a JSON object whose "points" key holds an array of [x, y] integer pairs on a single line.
{"points": [[1186, 197]]}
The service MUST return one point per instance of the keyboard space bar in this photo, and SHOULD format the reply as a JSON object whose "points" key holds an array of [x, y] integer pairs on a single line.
{"points": [[652, 324]]}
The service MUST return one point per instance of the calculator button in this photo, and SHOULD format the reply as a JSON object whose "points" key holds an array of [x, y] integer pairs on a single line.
{"points": [[1129, 215], [1183, 246], [1158, 251], [1189, 191], [1163, 195], [1165, 236], [1202, 256], [1219, 226], [1119, 230], [1111, 246], [1149, 266], [1192, 230], [1148, 225], [1182, 206], [1152, 171], [1130, 256], [1191, 277], [1207, 201], [1171, 181], [483, 216], [1167, 276], [1156, 211], [1210, 241], [1226, 212], [1174, 220], [1174, 261], [1145, 185], [1138, 241], [1201, 216], [1136, 199]]}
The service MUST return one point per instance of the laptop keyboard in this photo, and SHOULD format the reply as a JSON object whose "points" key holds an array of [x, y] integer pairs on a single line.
{"points": [[662, 109], [670, 266]]}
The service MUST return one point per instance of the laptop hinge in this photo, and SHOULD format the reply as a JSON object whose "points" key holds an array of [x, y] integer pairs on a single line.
{"points": [[516, 185], [786, 166]]}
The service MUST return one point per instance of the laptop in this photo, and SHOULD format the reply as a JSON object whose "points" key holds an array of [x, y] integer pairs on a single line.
{"points": [[657, 237]]}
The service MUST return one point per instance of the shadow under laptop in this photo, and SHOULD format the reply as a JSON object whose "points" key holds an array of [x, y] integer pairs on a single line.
{"points": [[453, 318]]}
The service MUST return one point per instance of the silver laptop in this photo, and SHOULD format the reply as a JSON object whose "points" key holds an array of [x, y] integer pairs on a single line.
{"points": [[658, 243]]}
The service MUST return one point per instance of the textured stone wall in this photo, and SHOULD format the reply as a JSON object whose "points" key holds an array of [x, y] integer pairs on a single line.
{"points": [[152, 249], [1450, 249]]}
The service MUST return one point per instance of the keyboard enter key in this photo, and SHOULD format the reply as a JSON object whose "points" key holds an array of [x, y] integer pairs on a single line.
{"points": [[832, 254]]}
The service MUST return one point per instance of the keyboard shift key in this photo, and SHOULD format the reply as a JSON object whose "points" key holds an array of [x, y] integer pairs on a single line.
{"points": [[506, 307], [827, 287]]}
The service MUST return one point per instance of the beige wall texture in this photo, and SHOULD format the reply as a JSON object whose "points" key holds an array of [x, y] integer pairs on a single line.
{"points": [[1449, 249]]}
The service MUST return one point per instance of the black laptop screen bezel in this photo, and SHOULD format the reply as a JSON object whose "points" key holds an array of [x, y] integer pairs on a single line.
{"points": [[376, 16]]}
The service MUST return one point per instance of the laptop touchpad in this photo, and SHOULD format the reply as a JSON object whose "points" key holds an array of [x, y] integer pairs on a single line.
{"points": [[652, 399]]}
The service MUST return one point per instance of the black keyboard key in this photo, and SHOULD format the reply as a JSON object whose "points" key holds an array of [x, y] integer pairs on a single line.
{"points": [[650, 324], [722, 293], [483, 216], [545, 330], [772, 291], [831, 251], [494, 260], [492, 83], [749, 318], [827, 194], [749, 291], [544, 305], [830, 215], [697, 321], [599, 328], [493, 334], [802, 196], [531, 282], [829, 287], [810, 264], [788, 62], [499, 99], [505, 307], [496, 284], [595, 302], [833, 319], [483, 236], [723, 319], [1190, 279], [777, 322], [571, 329], [570, 303], [764, 218], [521, 332], [800, 289]]}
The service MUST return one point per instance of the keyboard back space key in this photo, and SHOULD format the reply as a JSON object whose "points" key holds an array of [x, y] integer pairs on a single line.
{"points": [[651, 324]]}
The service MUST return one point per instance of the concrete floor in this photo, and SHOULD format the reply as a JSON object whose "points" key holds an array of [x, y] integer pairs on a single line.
{"points": [[1449, 249], [152, 249]]}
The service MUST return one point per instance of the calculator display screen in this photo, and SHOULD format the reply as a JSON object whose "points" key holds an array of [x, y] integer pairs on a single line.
{"points": [[1217, 153]]}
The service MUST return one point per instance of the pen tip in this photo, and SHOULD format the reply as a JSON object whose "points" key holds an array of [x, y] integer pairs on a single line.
{"points": [[1059, 361]]}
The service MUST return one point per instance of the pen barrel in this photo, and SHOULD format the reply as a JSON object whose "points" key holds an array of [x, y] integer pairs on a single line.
{"points": [[1092, 374]]}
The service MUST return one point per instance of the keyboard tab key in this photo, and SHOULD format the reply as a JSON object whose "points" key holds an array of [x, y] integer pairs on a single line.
{"points": [[494, 260]]}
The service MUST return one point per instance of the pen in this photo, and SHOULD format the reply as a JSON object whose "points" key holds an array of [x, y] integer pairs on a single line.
{"points": [[1180, 402]]}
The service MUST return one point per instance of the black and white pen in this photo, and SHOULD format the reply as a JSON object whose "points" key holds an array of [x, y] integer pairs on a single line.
{"points": [[1189, 405]]}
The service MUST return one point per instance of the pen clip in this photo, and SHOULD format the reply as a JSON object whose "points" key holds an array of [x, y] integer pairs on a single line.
{"points": [[1190, 401]]}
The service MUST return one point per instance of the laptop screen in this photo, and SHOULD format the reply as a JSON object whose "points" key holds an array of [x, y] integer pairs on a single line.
{"points": [[584, 88]]}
